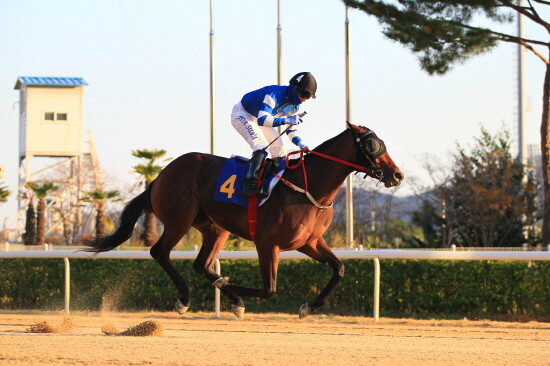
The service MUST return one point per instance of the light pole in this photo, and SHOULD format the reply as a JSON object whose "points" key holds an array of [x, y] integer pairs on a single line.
{"points": [[522, 151], [349, 179], [212, 84], [279, 45]]}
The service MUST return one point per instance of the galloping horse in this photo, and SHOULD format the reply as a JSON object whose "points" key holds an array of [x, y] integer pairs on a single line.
{"points": [[182, 197]]}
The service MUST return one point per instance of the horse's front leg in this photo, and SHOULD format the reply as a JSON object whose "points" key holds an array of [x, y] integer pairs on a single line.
{"points": [[319, 250], [268, 256]]}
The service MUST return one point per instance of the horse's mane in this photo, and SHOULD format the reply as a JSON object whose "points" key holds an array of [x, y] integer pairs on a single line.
{"points": [[330, 141]]}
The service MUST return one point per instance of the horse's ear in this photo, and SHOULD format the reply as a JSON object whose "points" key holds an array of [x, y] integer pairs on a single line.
{"points": [[352, 127]]}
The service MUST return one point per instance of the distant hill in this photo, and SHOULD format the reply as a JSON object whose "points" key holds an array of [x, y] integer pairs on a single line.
{"points": [[401, 207]]}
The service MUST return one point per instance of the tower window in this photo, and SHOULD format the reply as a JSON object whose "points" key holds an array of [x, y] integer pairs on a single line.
{"points": [[61, 116], [48, 116]]}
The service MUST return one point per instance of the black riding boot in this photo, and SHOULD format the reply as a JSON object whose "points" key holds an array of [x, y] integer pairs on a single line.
{"points": [[252, 175]]}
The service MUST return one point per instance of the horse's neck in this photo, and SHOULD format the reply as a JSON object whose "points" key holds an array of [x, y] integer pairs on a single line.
{"points": [[325, 177]]}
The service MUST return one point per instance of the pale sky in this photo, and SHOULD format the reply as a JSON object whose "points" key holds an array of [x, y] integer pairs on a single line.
{"points": [[147, 66]]}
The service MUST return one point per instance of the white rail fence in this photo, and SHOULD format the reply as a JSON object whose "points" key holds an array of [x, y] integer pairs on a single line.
{"points": [[375, 255]]}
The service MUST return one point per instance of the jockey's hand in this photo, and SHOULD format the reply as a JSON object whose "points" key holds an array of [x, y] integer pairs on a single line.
{"points": [[293, 120], [301, 145]]}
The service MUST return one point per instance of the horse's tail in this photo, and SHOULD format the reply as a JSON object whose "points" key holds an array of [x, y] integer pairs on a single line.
{"points": [[131, 213]]}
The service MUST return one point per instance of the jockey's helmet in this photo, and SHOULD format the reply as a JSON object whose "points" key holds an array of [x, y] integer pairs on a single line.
{"points": [[305, 83]]}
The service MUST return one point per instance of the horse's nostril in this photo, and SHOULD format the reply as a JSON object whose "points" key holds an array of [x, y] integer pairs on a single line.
{"points": [[398, 176]]}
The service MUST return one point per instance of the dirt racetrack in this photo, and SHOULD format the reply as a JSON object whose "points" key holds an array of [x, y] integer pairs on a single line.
{"points": [[272, 339]]}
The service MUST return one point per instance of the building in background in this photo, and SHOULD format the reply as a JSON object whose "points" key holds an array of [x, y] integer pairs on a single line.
{"points": [[51, 133]]}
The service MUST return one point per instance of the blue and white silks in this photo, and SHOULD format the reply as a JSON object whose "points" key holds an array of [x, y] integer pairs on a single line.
{"points": [[271, 105]]}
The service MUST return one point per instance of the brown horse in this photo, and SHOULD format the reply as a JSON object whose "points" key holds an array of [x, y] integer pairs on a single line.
{"points": [[182, 197]]}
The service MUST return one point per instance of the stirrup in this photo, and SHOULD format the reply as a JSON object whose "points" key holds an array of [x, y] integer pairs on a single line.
{"points": [[256, 192], [250, 190]]}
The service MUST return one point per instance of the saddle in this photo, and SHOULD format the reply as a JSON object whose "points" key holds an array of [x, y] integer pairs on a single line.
{"points": [[231, 179]]}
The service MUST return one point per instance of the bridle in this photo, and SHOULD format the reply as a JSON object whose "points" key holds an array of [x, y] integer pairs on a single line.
{"points": [[370, 147], [370, 153]]}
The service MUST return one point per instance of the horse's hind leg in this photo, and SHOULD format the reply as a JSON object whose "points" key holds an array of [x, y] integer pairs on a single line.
{"points": [[161, 253], [268, 256], [320, 251], [214, 237]]}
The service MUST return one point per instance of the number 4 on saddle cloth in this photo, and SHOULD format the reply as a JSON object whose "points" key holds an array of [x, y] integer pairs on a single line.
{"points": [[231, 180]]}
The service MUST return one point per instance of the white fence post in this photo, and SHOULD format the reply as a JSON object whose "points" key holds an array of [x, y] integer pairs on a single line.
{"points": [[67, 285], [8, 246], [217, 299], [376, 289]]}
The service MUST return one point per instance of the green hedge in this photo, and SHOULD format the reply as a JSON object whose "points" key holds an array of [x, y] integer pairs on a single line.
{"points": [[444, 289]]}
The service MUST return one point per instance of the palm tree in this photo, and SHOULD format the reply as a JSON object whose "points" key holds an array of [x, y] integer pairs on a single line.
{"points": [[4, 193], [99, 198], [41, 191], [149, 172], [29, 236]]}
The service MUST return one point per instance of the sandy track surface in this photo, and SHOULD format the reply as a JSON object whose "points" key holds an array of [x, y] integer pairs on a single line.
{"points": [[272, 339]]}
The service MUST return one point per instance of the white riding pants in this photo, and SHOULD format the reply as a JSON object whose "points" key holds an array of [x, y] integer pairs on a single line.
{"points": [[257, 136]]}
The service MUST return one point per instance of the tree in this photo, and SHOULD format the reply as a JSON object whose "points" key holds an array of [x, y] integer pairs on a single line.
{"points": [[98, 199], [442, 33], [488, 200], [430, 221], [4, 193], [41, 191], [376, 218], [149, 172], [29, 236]]}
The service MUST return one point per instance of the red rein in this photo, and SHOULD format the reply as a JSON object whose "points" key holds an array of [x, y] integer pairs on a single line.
{"points": [[301, 162]]}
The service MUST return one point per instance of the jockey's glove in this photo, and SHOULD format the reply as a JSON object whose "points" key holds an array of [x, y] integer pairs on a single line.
{"points": [[301, 145], [293, 120]]}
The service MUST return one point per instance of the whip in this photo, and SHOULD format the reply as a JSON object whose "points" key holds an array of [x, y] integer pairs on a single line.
{"points": [[286, 129]]}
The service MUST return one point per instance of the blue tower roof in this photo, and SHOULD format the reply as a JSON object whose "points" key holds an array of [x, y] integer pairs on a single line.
{"points": [[48, 81]]}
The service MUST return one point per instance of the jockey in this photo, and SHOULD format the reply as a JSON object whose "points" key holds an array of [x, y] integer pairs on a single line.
{"points": [[258, 114]]}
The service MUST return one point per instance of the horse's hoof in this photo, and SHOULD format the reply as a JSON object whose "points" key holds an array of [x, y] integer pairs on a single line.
{"points": [[220, 282], [180, 308], [305, 310], [238, 311]]}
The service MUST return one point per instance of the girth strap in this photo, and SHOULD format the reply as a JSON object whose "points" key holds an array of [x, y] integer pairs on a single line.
{"points": [[252, 215]]}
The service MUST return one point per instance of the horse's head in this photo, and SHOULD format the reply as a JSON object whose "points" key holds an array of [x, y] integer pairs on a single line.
{"points": [[371, 152]]}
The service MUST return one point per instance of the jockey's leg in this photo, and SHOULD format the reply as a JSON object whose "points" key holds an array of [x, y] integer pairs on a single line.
{"points": [[248, 128], [252, 175], [277, 148]]}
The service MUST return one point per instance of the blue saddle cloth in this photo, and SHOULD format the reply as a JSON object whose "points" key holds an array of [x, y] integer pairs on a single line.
{"points": [[230, 182]]}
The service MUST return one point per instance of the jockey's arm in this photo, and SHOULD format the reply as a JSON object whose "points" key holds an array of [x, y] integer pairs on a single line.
{"points": [[266, 117], [265, 114], [292, 134]]}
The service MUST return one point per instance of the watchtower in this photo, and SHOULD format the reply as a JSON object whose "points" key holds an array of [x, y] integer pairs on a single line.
{"points": [[51, 125]]}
